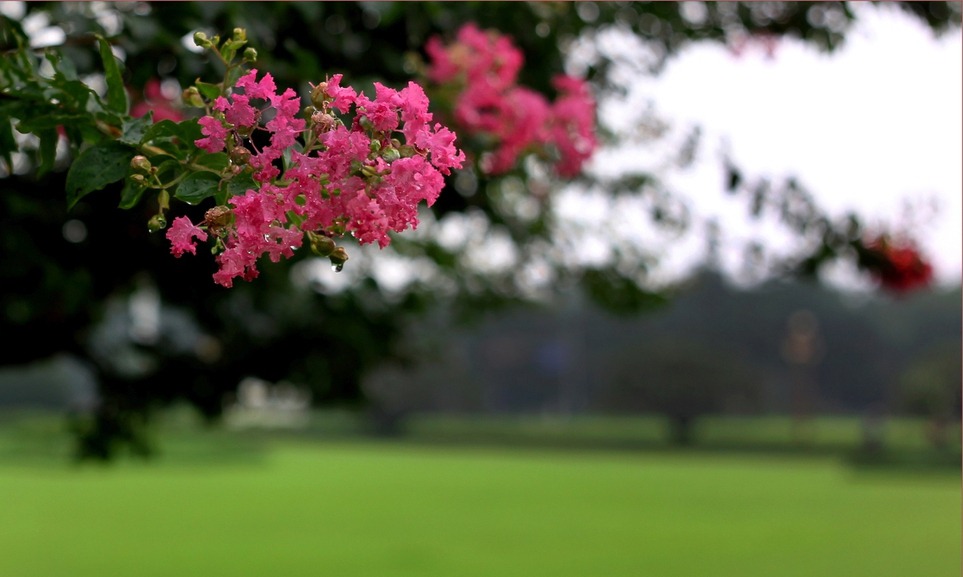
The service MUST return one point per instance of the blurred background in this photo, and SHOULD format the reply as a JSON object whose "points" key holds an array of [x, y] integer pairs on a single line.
{"points": [[671, 364]]}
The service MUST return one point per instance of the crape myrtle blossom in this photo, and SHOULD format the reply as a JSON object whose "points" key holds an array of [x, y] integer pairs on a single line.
{"points": [[182, 234], [319, 177], [897, 265], [481, 68]]}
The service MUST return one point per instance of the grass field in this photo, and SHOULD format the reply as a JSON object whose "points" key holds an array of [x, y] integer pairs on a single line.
{"points": [[217, 505]]}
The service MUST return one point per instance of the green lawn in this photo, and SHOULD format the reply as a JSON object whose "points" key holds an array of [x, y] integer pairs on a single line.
{"points": [[361, 508]]}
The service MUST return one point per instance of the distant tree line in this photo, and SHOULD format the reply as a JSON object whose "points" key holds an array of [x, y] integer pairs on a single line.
{"points": [[783, 347]]}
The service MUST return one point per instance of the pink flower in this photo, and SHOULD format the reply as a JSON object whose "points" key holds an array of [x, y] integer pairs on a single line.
{"points": [[215, 134], [383, 110], [264, 89], [182, 234], [342, 145], [234, 262], [259, 229], [154, 101], [483, 58], [342, 97], [482, 68], [522, 128], [440, 143], [413, 181], [284, 128], [366, 219], [444, 68], [238, 111], [358, 179], [572, 125], [414, 107]]}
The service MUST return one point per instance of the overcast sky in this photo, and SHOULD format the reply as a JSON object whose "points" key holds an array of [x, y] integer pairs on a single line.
{"points": [[874, 126]]}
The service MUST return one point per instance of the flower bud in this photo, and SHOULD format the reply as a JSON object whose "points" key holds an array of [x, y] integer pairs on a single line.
{"points": [[250, 55], [217, 218], [201, 39], [321, 245], [240, 155], [192, 97], [323, 121], [391, 154], [319, 96], [240, 35], [139, 179], [140, 164], [338, 258], [156, 223], [369, 171], [356, 167]]}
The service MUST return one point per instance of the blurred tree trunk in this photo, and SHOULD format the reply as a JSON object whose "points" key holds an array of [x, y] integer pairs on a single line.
{"points": [[680, 430]]}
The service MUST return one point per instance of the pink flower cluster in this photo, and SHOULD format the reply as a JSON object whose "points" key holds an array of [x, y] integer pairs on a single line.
{"points": [[365, 179], [482, 67]]}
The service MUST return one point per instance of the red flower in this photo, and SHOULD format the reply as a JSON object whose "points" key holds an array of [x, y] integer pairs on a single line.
{"points": [[898, 266]]}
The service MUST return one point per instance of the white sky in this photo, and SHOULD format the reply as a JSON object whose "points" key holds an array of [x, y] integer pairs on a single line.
{"points": [[875, 125]]}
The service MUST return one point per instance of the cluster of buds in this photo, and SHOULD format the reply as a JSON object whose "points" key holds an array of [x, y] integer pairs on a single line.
{"points": [[897, 265], [480, 69], [143, 175], [316, 175]]}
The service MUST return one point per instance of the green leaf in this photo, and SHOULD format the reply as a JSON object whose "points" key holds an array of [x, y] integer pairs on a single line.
{"points": [[228, 51], [197, 186], [8, 143], [48, 150], [63, 68], [207, 90], [188, 131], [169, 148], [41, 122], [11, 34], [217, 161], [160, 131], [95, 168], [111, 121], [133, 129], [116, 93], [233, 75], [76, 94], [131, 195], [240, 184], [174, 138], [168, 169]]}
